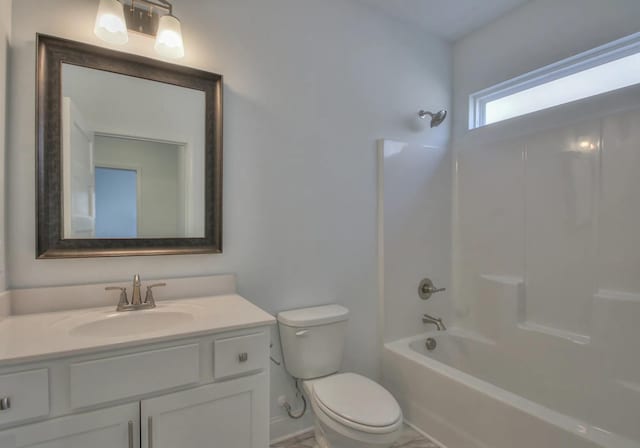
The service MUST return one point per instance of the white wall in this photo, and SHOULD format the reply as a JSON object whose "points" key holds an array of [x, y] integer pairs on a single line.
{"points": [[309, 88], [5, 37], [158, 170]]}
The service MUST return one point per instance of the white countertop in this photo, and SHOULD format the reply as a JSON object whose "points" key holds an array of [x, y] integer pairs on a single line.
{"points": [[36, 337]]}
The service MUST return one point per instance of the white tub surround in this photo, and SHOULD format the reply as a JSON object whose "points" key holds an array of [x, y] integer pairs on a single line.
{"points": [[547, 262], [545, 249], [414, 233], [186, 373]]}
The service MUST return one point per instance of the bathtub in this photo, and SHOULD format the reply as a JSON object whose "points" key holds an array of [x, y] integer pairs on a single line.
{"points": [[468, 394]]}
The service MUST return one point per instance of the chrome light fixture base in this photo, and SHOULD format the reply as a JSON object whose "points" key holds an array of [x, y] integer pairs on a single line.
{"points": [[141, 20]]}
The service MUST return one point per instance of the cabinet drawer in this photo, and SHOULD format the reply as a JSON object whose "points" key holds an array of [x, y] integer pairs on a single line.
{"points": [[240, 354], [109, 379], [24, 395]]}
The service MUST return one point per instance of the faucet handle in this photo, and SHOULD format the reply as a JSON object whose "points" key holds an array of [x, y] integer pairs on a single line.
{"points": [[426, 289], [123, 295], [149, 295]]}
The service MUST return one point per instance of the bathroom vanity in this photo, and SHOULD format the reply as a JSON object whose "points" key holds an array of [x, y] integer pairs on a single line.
{"points": [[189, 373]]}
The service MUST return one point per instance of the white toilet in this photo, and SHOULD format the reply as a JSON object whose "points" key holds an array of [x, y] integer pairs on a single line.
{"points": [[351, 411]]}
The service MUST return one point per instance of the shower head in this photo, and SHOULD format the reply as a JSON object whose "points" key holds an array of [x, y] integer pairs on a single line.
{"points": [[436, 119]]}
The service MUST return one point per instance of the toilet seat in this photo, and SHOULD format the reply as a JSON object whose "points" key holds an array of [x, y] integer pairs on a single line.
{"points": [[357, 403]]}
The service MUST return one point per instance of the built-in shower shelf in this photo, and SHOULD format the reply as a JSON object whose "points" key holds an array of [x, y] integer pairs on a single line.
{"points": [[505, 279], [556, 332], [622, 296], [630, 385]]}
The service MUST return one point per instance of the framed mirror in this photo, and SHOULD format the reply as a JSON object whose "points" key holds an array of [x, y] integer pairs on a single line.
{"points": [[129, 154]]}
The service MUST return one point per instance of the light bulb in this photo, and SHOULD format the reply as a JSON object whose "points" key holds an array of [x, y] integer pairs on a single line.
{"points": [[110, 24], [169, 38]]}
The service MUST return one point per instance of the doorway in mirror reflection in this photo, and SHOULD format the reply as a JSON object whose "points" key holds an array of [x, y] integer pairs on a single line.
{"points": [[116, 203]]}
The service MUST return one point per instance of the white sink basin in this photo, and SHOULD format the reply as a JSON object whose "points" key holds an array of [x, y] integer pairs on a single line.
{"points": [[132, 322]]}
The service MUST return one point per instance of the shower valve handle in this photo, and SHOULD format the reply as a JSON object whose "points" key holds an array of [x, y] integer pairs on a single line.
{"points": [[426, 289]]}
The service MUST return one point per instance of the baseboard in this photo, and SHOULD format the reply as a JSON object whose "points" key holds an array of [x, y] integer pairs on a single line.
{"points": [[283, 427], [420, 431]]}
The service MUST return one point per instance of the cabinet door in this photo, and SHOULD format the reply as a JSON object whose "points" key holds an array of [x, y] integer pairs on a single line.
{"points": [[116, 427], [230, 414]]}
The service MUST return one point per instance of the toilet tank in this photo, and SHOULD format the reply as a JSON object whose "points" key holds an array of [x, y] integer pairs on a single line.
{"points": [[313, 340]]}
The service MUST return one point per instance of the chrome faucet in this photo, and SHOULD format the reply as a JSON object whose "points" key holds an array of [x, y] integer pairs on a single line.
{"points": [[136, 300], [435, 321], [426, 289]]}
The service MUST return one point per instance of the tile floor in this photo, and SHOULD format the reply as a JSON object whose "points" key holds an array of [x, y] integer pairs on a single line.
{"points": [[409, 439]]}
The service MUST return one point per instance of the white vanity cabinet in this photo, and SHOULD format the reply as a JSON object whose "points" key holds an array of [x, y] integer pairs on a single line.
{"points": [[205, 391]]}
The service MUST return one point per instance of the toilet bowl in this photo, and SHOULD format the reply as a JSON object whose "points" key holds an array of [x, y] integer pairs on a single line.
{"points": [[350, 410]]}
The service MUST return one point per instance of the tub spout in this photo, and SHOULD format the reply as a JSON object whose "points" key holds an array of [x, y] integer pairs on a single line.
{"points": [[435, 321]]}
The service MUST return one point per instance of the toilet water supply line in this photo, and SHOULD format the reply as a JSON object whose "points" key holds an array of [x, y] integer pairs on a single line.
{"points": [[299, 394]]}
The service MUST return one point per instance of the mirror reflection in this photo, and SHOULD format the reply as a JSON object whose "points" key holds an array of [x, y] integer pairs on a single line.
{"points": [[132, 157]]}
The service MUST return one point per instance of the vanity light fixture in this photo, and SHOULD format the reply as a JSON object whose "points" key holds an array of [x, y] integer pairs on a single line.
{"points": [[110, 24], [115, 17], [169, 38]]}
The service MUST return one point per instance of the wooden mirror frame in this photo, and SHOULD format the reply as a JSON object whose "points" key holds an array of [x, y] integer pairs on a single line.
{"points": [[52, 52]]}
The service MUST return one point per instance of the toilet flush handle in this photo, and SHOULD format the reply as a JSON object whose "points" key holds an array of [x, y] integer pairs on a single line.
{"points": [[301, 333]]}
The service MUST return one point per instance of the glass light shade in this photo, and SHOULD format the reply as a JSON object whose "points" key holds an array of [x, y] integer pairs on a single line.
{"points": [[110, 24], [169, 38]]}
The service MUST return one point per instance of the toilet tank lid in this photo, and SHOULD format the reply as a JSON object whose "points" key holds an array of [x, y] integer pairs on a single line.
{"points": [[317, 315]]}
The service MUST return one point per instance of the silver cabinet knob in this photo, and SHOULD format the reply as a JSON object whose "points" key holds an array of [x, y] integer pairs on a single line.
{"points": [[5, 403], [243, 357]]}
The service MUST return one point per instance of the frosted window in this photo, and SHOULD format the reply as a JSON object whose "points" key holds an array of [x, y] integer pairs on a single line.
{"points": [[605, 78]]}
